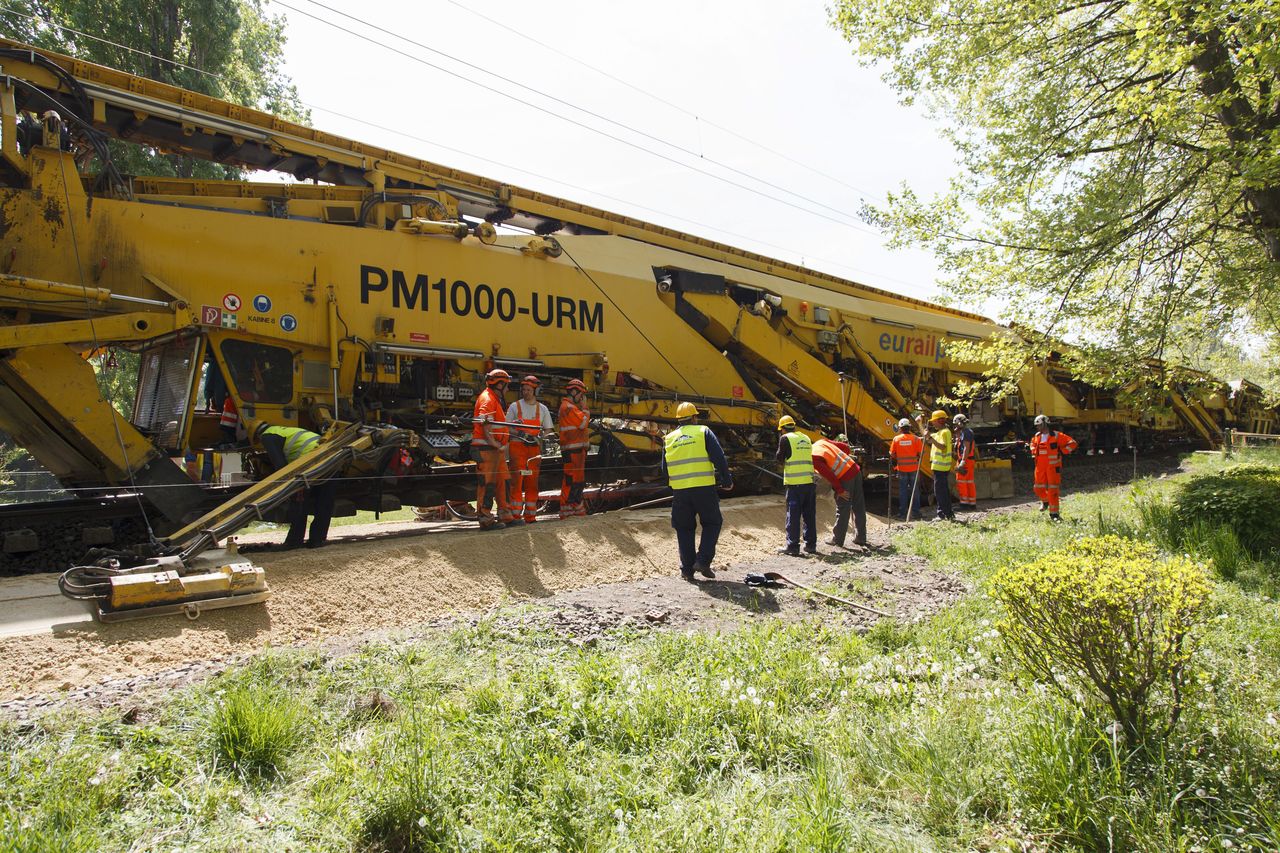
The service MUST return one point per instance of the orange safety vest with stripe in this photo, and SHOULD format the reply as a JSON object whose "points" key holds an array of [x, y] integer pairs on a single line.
{"points": [[488, 408], [298, 442], [837, 460], [905, 450], [574, 423], [1048, 449], [230, 417]]}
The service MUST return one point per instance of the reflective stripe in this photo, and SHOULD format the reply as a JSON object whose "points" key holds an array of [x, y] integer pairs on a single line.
{"points": [[685, 448], [942, 459], [798, 470], [574, 446], [298, 442]]}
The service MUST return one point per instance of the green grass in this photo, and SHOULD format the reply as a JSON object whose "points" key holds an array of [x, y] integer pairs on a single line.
{"points": [[361, 517], [774, 737]]}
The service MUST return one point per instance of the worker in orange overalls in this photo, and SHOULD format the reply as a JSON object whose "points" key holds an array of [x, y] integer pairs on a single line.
{"points": [[904, 455], [489, 451], [966, 448], [1048, 446], [526, 448], [574, 432]]}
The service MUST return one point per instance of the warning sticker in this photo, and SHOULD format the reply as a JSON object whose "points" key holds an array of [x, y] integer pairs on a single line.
{"points": [[231, 302], [210, 315], [419, 338]]}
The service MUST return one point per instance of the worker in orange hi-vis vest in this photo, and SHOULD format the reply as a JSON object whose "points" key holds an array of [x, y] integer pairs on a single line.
{"points": [[489, 451], [526, 448], [904, 454], [574, 434], [966, 460], [1048, 446]]}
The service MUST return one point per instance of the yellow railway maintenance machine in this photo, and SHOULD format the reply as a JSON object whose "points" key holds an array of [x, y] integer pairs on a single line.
{"points": [[381, 292]]}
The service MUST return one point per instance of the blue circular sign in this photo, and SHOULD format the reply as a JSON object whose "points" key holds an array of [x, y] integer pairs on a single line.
{"points": [[288, 322], [262, 303]]}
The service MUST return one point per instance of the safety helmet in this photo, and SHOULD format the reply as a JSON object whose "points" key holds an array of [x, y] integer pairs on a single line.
{"points": [[255, 428], [576, 385], [1042, 420], [686, 410], [904, 424], [786, 421], [531, 380], [493, 377], [938, 415], [960, 420]]}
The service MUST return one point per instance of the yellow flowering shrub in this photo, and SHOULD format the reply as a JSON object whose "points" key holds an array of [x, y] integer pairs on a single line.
{"points": [[1106, 619]]}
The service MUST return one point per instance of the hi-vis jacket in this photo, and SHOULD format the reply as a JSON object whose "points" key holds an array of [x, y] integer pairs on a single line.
{"points": [[905, 450], [797, 469], [692, 457]]}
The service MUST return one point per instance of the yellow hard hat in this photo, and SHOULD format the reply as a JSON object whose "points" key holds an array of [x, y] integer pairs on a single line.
{"points": [[786, 421], [686, 410], [938, 414]]}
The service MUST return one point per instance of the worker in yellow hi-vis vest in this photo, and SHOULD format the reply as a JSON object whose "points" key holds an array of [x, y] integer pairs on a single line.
{"points": [[289, 444], [795, 452], [694, 464]]}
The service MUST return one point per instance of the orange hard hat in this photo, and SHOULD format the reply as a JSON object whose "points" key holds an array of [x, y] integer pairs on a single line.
{"points": [[531, 380], [576, 385], [493, 377]]}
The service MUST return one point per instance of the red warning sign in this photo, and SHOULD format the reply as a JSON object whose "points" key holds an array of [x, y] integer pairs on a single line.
{"points": [[231, 303], [737, 392], [210, 315], [419, 338]]}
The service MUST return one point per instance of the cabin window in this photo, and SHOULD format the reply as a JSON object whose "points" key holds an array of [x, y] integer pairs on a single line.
{"points": [[260, 373]]}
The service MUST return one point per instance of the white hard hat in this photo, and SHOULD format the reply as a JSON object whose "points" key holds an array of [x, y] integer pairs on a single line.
{"points": [[904, 424], [1042, 419]]}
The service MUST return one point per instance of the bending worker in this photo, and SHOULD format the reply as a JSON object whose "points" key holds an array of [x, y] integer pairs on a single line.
{"points": [[526, 449], [1048, 446], [904, 454], [937, 438], [795, 452], [966, 461], [489, 451], [284, 445], [834, 462], [575, 422], [693, 464]]}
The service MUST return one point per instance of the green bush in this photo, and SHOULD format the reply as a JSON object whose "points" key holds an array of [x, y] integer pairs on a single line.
{"points": [[1104, 620], [1244, 498], [254, 729]]}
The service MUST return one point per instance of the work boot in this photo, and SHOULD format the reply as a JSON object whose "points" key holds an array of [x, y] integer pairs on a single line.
{"points": [[790, 552], [811, 549], [705, 571], [687, 574], [515, 522], [1044, 505], [492, 525], [832, 541], [1053, 516], [861, 543]]}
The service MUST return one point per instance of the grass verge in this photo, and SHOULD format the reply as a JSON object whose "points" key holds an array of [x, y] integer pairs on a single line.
{"points": [[799, 737]]}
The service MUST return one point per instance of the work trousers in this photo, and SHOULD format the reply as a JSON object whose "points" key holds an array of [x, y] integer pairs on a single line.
{"points": [[802, 508], [857, 504], [908, 491], [1047, 484], [690, 507], [526, 464], [575, 478], [942, 493], [492, 475], [964, 483], [321, 499]]}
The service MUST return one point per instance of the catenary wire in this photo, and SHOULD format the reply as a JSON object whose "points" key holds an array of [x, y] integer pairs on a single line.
{"points": [[310, 105], [614, 137], [661, 100]]}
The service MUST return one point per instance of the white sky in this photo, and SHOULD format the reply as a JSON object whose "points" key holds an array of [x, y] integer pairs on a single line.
{"points": [[775, 73]]}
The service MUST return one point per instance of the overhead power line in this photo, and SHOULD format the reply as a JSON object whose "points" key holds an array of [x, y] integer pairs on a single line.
{"points": [[661, 100], [537, 175], [848, 221]]}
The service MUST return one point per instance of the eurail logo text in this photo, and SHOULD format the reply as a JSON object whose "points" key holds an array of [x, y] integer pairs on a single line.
{"points": [[458, 298], [926, 346]]}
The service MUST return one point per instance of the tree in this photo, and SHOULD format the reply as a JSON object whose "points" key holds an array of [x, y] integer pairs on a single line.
{"points": [[1120, 177], [230, 49]]}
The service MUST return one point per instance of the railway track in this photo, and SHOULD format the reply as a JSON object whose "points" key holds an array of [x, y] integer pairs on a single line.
{"points": [[51, 536]]}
